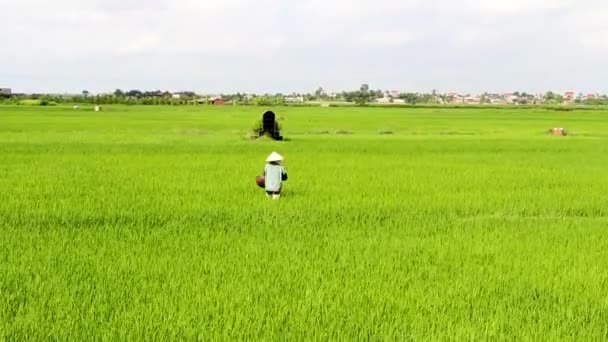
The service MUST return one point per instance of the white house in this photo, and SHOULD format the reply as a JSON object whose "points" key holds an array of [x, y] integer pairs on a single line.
{"points": [[294, 99]]}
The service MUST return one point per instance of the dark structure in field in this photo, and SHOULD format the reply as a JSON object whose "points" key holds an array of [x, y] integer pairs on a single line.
{"points": [[269, 126]]}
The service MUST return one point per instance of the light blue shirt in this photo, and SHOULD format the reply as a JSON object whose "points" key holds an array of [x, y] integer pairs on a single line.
{"points": [[274, 175]]}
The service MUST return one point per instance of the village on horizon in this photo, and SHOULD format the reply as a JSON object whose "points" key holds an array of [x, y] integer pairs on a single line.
{"points": [[365, 95]]}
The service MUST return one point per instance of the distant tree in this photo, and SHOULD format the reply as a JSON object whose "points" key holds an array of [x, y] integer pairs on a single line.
{"points": [[119, 93], [320, 93], [85, 93], [134, 93], [484, 99], [361, 98], [550, 97], [426, 98], [155, 93], [346, 96], [410, 98], [268, 100], [553, 99]]}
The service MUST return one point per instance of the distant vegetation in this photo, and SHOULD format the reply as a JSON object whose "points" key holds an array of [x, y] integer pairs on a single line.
{"points": [[362, 97]]}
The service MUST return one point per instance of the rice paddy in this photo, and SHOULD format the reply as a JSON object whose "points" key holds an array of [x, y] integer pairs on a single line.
{"points": [[145, 223]]}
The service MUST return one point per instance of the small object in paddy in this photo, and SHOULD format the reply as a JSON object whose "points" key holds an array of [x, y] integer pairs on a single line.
{"points": [[259, 180], [558, 131]]}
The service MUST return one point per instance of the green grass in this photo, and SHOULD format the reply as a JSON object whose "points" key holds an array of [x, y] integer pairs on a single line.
{"points": [[144, 223], [30, 102]]}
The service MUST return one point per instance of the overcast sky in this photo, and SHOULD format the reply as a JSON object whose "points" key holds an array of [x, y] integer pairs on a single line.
{"points": [[284, 46]]}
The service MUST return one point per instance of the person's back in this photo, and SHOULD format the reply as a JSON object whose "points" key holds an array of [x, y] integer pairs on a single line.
{"points": [[274, 175]]}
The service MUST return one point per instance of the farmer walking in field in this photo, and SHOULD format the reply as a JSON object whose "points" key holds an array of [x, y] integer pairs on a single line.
{"points": [[274, 175]]}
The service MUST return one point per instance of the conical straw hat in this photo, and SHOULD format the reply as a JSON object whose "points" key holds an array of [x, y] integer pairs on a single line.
{"points": [[274, 157]]}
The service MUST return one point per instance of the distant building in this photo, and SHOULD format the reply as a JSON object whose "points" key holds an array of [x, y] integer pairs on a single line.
{"points": [[569, 97], [5, 91], [213, 100], [454, 98], [294, 99], [510, 98], [495, 99], [394, 93], [217, 101], [472, 100]]}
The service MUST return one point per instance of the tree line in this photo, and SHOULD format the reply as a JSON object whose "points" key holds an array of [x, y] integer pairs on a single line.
{"points": [[362, 96]]}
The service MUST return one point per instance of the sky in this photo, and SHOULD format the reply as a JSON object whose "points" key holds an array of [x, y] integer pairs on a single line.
{"points": [[270, 46]]}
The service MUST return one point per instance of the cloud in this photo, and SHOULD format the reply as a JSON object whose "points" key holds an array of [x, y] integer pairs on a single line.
{"points": [[274, 45], [518, 6], [596, 40], [386, 39], [349, 8]]}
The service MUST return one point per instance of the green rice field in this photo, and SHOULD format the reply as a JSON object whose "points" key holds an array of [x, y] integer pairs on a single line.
{"points": [[145, 223]]}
